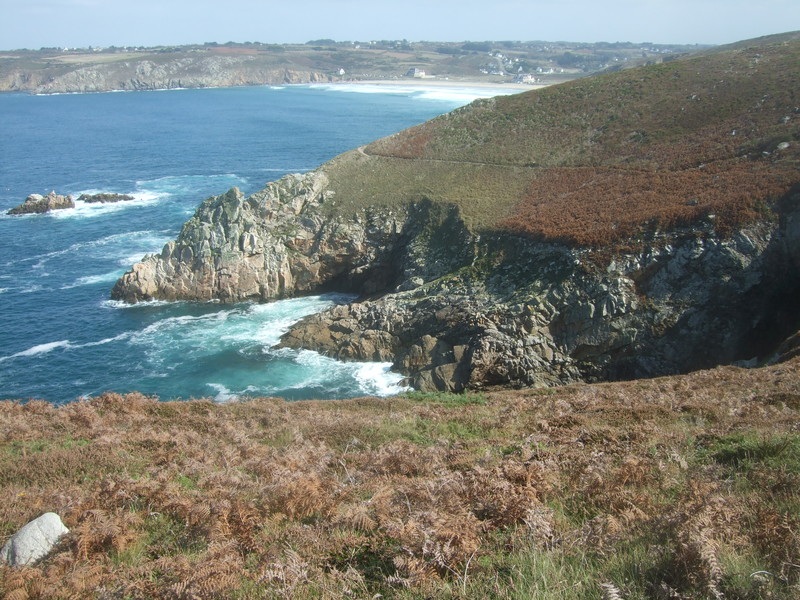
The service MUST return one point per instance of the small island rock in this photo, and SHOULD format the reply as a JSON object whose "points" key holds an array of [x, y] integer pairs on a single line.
{"points": [[37, 204], [34, 541], [104, 198]]}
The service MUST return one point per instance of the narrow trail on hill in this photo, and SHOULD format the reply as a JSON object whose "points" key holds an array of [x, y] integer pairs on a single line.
{"points": [[445, 161]]}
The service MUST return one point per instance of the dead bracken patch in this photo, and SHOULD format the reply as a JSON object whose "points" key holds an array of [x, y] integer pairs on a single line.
{"points": [[679, 487]]}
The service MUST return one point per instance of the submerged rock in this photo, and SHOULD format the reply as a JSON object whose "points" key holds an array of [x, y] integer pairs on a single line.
{"points": [[37, 204], [34, 541], [104, 198]]}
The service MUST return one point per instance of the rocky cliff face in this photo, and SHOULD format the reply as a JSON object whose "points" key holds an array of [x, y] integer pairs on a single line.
{"points": [[453, 309], [282, 242], [542, 315], [184, 72]]}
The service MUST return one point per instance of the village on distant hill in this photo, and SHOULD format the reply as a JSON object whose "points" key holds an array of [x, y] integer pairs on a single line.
{"points": [[58, 70]]}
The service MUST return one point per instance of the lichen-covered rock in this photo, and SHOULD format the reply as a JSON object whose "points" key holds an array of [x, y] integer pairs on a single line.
{"points": [[37, 204], [279, 242], [34, 541]]}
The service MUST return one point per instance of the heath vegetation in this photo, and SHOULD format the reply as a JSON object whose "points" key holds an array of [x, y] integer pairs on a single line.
{"points": [[679, 487], [595, 162]]}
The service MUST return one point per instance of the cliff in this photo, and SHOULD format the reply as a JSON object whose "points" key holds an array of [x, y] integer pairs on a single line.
{"points": [[153, 72], [625, 225]]}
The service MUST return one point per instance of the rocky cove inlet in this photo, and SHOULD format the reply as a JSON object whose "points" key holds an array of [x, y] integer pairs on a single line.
{"points": [[62, 337]]}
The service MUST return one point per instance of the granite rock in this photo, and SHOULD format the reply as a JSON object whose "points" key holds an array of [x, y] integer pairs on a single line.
{"points": [[37, 204], [34, 541]]}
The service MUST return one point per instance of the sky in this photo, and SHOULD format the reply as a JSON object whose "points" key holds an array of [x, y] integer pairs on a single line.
{"points": [[82, 23]]}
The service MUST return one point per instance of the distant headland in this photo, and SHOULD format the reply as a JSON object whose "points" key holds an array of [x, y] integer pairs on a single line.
{"points": [[81, 70]]}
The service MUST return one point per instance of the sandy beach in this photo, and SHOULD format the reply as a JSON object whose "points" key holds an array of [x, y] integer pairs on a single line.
{"points": [[448, 83]]}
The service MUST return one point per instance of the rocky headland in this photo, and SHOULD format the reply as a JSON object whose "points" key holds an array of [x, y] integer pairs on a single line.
{"points": [[621, 226], [37, 204], [151, 71]]}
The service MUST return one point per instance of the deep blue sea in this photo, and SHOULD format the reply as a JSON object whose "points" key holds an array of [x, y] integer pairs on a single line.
{"points": [[61, 338]]}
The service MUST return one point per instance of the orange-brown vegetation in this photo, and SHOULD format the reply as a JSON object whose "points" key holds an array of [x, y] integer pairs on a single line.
{"points": [[599, 206], [679, 487], [607, 157]]}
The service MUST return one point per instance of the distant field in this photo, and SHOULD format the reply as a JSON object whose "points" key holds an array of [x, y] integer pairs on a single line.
{"points": [[97, 57]]}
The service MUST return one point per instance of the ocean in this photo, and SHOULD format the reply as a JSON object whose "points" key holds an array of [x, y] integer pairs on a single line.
{"points": [[62, 338]]}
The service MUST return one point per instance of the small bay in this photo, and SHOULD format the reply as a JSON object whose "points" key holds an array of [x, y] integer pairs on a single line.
{"points": [[61, 338]]}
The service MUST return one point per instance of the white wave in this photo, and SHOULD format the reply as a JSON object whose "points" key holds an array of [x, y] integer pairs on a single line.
{"points": [[116, 338], [148, 240], [3, 290], [31, 289], [86, 210], [39, 349], [372, 379], [120, 305], [193, 336], [462, 95], [181, 184], [93, 279], [444, 93], [378, 379], [66, 345], [224, 395]]}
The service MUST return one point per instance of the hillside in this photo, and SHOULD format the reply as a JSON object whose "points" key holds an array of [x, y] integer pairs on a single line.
{"points": [[682, 487], [599, 158], [630, 224]]}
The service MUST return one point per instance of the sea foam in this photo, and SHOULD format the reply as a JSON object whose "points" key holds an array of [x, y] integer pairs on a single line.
{"points": [[39, 349]]}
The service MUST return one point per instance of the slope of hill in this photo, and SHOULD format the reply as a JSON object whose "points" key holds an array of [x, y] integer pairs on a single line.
{"points": [[632, 224], [682, 487]]}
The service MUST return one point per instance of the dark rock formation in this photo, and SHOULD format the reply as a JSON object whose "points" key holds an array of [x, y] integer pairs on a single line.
{"points": [[454, 310], [36, 203], [104, 198]]}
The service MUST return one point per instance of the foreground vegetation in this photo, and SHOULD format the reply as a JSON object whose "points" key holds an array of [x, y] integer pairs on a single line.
{"points": [[679, 487]]}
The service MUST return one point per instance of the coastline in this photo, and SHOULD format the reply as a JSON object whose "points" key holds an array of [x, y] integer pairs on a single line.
{"points": [[446, 83]]}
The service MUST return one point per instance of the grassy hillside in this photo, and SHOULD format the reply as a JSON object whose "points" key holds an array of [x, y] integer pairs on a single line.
{"points": [[681, 487], [595, 160]]}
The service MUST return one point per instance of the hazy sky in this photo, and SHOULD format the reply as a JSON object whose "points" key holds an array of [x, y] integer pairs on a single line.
{"points": [[37, 23]]}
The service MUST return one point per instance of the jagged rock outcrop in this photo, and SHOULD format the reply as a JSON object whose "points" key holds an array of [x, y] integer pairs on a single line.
{"points": [[454, 310], [37, 204], [280, 242]]}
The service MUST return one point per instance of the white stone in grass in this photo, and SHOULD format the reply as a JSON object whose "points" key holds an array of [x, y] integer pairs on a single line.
{"points": [[34, 541]]}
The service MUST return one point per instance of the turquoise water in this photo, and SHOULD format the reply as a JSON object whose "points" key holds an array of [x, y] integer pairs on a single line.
{"points": [[61, 337]]}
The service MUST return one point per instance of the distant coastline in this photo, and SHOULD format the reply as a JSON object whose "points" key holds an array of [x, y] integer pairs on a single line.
{"points": [[447, 83]]}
